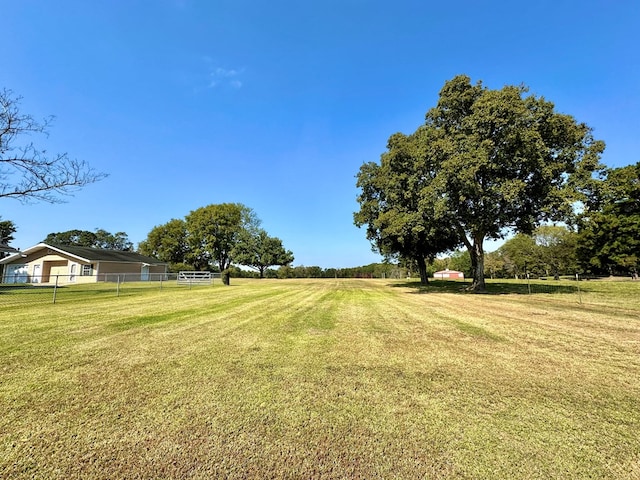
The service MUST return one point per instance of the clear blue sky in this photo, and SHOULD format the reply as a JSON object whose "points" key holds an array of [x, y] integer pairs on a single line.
{"points": [[276, 104]]}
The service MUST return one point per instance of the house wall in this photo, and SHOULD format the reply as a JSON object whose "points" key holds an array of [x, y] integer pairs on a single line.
{"points": [[47, 266], [157, 269], [127, 272], [52, 266]]}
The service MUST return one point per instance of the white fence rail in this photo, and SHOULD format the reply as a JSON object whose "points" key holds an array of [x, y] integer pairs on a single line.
{"points": [[195, 278]]}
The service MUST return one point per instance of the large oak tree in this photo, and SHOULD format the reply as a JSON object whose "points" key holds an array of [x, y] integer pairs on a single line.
{"points": [[399, 222], [502, 161], [507, 161], [256, 249], [214, 230]]}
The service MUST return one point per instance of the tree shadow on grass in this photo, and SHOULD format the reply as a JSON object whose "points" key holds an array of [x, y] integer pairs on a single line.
{"points": [[492, 288]]}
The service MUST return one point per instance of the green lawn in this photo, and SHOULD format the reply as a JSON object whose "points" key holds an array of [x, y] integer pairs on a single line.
{"points": [[323, 379]]}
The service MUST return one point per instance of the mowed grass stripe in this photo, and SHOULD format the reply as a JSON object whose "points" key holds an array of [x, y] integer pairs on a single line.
{"points": [[560, 375], [319, 379]]}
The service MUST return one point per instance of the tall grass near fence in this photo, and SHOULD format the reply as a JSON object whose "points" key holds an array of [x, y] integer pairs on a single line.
{"points": [[323, 379]]}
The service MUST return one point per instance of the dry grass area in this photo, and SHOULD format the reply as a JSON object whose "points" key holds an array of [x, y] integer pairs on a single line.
{"points": [[323, 379]]}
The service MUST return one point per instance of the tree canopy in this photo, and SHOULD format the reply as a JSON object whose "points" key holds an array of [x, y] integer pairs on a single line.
{"points": [[256, 249], [399, 221], [557, 249], [28, 173], [7, 229], [214, 230], [216, 235], [98, 239], [609, 229], [490, 162], [167, 242]]}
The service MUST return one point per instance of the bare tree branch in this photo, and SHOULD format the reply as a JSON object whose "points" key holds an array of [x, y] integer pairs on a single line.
{"points": [[28, 174]]}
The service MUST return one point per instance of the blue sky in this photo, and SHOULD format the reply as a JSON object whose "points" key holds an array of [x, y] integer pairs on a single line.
{"points": [[276, 104]]}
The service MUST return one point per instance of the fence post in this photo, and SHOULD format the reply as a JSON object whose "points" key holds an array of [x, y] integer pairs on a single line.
{"points": [[118, 286], [55, 289], [579, 291]]}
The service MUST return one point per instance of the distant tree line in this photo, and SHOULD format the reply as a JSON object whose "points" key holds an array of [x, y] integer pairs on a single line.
{"points": [[373, 270]]}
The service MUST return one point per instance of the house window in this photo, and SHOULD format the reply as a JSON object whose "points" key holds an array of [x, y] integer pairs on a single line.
{"points": [[86, 270]]}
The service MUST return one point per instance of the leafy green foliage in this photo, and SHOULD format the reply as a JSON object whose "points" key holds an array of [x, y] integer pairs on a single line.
{"points": [[486, 162], [609, 230], [7, 229], [168, 243], [215, 236], [460, 260], [80, 238], [98, 239], [520, 255], [549, 251], [258, 250], [399, 221], [213, 231], [557, 248], [493, 264], [507, 161]]}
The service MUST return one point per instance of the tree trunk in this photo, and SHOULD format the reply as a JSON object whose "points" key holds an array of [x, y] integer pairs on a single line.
{"points": [[477, 266], [476, 253], [422, 268], [223, 264]]}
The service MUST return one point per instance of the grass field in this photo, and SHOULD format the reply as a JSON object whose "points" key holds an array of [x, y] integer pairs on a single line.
{"points": [[323, 379]]}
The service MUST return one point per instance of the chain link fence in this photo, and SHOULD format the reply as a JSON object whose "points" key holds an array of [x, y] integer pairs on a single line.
{"points": [[75, 288], [71, 288]]}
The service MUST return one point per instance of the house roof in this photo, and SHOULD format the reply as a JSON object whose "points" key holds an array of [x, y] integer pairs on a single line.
{"points": [[442, 272], [6, 248], [88, 254]]}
